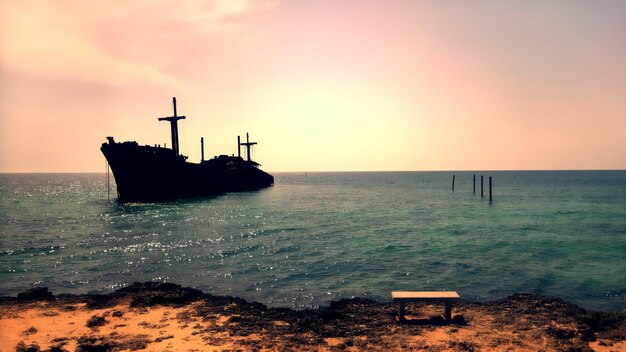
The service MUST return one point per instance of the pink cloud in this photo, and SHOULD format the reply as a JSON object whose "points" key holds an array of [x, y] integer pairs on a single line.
{"points": [[115, 43]]}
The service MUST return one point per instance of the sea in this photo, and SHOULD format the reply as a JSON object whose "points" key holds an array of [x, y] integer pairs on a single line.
{"points": [[317, 237]]}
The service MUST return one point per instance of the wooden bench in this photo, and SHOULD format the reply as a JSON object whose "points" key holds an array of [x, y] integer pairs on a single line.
{"points": [[404, 297]]}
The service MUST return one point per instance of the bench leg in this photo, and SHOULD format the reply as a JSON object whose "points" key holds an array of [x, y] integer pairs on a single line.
{"points": [[401, 311], [448, 311]]}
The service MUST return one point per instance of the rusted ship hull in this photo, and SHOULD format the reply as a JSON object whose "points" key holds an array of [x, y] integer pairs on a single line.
{"points": [[147, 174]]}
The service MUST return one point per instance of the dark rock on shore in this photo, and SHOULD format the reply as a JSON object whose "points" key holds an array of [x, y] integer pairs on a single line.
{"points": [[106, 344], [35, 294], [146, 294], [95, 321], [528, 317], [21, 347]]}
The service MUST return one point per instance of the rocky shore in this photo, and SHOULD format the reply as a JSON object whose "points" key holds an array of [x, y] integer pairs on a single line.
{"points": [[167, 317]]}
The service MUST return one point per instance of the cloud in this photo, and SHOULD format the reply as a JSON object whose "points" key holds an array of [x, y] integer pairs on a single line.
{"points": [[113, 43], [216, 15]]}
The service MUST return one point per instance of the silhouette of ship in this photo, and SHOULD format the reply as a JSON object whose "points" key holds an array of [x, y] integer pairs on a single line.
{"points": [[155, 173]]}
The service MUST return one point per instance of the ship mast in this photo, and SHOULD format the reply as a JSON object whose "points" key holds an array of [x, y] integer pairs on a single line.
{"points": [[247, 144], [174, 124]]}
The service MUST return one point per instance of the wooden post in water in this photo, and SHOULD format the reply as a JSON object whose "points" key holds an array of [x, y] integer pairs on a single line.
{"points": [[482, 195], [474, 184], [453, 177], [490, 194]]}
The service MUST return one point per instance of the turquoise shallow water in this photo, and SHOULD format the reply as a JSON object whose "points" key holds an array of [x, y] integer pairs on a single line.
{"points": [[317, 237]]}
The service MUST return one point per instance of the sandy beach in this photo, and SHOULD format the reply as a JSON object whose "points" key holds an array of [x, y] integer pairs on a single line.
{"points": [[167, 317]]}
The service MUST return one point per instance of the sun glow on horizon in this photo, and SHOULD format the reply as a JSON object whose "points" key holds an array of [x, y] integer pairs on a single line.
{"points": [[321, 86]]}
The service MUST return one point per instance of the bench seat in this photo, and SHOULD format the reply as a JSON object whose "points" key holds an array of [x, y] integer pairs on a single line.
{"points": [[404, 297]]}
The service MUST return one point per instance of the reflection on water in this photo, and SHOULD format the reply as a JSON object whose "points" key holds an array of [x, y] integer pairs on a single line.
{"points": [[316, 237]]}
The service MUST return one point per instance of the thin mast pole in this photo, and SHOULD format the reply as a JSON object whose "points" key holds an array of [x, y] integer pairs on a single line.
{"points": [[248, 145], [173, 120], [108, 181], [202, 148]]}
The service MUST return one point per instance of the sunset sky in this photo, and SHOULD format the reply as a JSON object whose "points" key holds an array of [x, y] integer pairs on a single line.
{"points": [[336, 85]]}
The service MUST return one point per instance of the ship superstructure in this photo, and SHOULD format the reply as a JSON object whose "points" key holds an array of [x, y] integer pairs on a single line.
{"points": [[155, 173]]}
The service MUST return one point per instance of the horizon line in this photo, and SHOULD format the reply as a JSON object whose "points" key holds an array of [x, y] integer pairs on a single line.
{"points": [[337, 171]]}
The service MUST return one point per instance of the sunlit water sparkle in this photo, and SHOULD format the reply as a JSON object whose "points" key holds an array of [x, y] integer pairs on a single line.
{"points": [[317, 237]]}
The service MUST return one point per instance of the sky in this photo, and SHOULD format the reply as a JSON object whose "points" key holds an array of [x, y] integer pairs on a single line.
{"points": [[325, 85]]}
